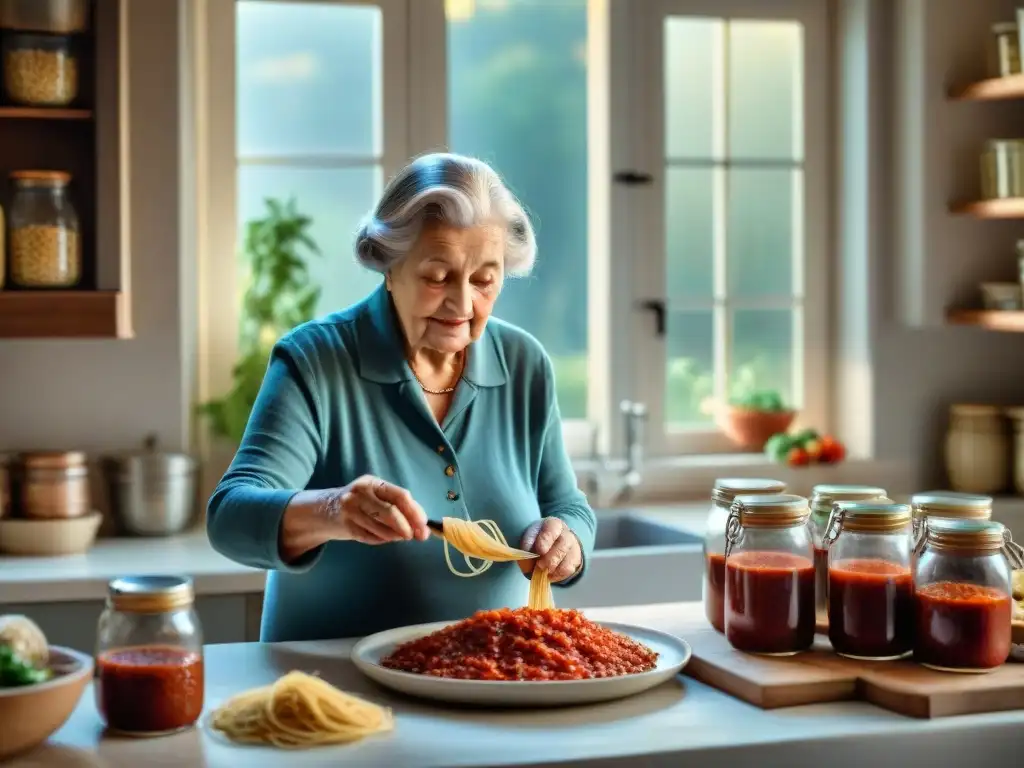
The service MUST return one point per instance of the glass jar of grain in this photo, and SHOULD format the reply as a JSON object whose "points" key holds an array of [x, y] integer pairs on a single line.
{"points": [[45, 249], [40, 70], [54, 485]]}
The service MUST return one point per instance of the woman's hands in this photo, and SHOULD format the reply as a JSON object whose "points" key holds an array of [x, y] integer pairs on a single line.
{"points": [[368, 510], [559, 549], [373, 511]]}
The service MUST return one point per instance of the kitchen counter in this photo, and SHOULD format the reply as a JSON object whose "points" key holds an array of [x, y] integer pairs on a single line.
{"points": [[85, 577], [680, 723]]}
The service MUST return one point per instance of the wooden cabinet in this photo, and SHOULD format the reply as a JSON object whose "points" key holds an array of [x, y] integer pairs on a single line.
{"points": [[88, 140]]}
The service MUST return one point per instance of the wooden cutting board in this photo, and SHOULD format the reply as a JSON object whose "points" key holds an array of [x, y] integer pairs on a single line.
{"points": [[821, 676]]}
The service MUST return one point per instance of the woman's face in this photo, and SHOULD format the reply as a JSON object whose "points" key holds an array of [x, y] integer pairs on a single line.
{"points": [[445, 289]]}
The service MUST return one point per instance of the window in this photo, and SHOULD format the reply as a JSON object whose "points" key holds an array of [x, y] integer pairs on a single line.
{"points": [[732, 221], [517, 98], [721, 103]]}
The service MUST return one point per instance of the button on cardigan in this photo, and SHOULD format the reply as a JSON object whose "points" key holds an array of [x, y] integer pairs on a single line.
{"points": [[339, 401]]}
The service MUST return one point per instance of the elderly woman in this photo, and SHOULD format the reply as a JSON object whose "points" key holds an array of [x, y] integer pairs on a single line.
{"points": [[413, 404]]}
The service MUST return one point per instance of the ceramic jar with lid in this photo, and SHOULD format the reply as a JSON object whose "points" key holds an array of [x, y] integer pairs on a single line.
{"points": [[54, 485], [149, 656], [977, 449]]}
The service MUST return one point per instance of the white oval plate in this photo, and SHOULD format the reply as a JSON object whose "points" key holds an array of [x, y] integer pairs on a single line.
{"points": [[673, 654]]}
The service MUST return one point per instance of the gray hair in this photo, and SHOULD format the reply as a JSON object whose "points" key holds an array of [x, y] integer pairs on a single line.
{"points": [[456, 190]]}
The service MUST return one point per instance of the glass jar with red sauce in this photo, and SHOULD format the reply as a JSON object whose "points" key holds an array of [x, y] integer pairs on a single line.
{"points": [[725, 491], [962, 595], [149, 656], [822, 499], [949, 505], [870, 583], [769, 575]]}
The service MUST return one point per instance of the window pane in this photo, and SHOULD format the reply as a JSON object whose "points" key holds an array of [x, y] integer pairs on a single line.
{"points": [[335, 199], [765, 90], [690, 344], [693, 64], [762, 352], [762, 222], [517, 85], [309, 79], [690, 235]]}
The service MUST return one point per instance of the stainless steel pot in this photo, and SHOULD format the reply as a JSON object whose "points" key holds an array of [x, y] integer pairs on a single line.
{"points": [[152, 493]]}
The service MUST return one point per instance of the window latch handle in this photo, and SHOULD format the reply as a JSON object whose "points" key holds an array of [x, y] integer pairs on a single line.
{"points": [[659, 308], [632, 178]]}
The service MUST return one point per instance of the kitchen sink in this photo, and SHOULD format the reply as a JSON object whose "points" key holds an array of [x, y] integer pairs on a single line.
{"points": [[637, 560], [625, 530]]}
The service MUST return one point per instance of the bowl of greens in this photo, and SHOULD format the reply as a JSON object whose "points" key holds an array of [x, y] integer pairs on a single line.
{"points": [[40, 685], [748, 420]]}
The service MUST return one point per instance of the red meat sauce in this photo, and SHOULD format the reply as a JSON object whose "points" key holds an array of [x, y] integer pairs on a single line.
{"points": [[523, 644]]}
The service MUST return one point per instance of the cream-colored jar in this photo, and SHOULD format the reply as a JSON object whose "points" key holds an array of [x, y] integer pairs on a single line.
{"points": [[978, 449]]}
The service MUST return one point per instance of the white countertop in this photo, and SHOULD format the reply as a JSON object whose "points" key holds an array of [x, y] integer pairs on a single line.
{"points": [[85, 577], [680, 723]]}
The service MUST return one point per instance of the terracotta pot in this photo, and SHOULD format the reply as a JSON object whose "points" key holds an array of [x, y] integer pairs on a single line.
{"points": [[751, 429]]}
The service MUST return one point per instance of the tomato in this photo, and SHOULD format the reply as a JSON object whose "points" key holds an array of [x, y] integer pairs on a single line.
{"points": [[798, 457]]}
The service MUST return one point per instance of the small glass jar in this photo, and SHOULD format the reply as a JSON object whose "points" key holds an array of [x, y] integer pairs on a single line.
{"points": [[949, 505], [870, 583], [725, 490], [149, 656], [40, 70], [962, 595], [769, 576], [54, 485], [823, 497], [45, 248]]}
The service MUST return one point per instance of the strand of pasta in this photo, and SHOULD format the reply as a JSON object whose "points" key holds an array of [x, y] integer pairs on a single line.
{"points": [[480, 540], [299, 711], [483, 541]]}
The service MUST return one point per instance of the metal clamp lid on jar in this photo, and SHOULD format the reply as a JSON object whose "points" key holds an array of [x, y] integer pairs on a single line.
{"points": [[824, 496], [728, 488], [874, 516], [965, 506], [969, 537], [150, 594], [781, 510]]}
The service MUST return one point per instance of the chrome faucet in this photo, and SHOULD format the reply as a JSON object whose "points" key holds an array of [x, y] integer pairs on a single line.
{"points": [[634, 415]]}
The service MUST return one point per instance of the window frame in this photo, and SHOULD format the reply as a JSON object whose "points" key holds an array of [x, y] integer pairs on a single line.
{"points": [[641, 211], [215, 32], [623, 354]]}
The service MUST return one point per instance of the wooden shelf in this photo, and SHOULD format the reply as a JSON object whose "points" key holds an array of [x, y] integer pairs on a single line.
{"points": [[993, 89], [44, 113], [1001, 208], [991, 320], [64, 315]]}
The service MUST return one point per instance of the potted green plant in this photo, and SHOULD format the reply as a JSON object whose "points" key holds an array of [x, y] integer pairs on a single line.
{"points": [[753, 416], [280, 294]]}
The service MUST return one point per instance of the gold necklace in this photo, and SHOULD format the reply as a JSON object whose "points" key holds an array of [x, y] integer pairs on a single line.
{"points": [[444, 390]]}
